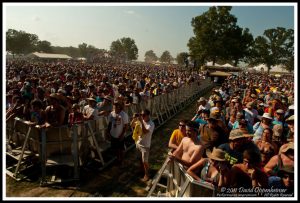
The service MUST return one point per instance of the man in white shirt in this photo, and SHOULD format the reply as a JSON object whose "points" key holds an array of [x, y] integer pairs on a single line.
{"points": [[117, 126], [144, 142]]}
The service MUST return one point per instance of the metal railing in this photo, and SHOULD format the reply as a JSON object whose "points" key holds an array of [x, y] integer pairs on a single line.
{"points": [[179, 183]]}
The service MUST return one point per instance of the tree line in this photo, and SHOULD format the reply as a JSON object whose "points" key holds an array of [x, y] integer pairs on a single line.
{"points": [[217, 38]]}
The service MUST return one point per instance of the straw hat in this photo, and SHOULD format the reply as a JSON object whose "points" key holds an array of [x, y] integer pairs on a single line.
{"points": [[237, 134], [291, 118], [91, 99], [267, 116], [216, 154], [280, 111]]}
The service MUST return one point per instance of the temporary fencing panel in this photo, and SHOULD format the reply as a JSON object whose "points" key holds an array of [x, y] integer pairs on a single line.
{"points": [[179, 183]]}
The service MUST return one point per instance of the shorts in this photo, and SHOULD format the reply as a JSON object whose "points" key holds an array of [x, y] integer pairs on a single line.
{"points": [[144, 152], [116, 143]]}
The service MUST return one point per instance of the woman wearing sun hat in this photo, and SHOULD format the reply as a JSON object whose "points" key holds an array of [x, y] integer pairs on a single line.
{"points": [[214, 169]]}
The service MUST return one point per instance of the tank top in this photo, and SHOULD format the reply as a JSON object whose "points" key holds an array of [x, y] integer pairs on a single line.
{"points": [[204, 172]]}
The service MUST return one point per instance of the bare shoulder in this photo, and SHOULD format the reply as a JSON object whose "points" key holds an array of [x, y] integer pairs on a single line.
{"points": [[186, 140]]}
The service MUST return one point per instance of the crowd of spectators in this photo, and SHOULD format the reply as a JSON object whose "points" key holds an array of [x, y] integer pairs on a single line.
{"points": [[245, 131]]}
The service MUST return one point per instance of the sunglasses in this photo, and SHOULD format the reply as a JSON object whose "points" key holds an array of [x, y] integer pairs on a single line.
{"points": [[181, 125]]}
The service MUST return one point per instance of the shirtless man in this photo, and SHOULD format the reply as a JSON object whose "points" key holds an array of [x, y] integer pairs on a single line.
{"points": [[189, 151]]}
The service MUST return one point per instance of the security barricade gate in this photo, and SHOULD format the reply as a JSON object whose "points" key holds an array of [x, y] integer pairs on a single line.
{"points": [[54, 146], [178, 183], [59, 147], [67, 145], [23, 152]]}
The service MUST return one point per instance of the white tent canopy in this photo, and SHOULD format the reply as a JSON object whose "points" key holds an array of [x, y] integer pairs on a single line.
{"points": [[277, 68], [211, 64], [227, 65], [48, 56]]}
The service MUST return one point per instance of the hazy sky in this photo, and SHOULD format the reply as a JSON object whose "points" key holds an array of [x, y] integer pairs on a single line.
{"points": [[156, 27]]}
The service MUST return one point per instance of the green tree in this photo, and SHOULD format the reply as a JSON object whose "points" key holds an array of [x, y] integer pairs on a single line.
{"points": [[166, 57], [237, 45], [83, 49], [217, 37], [124, 49], [150, 56], [20, 42], [275, 47], [181, 58], [44, 46], [288, 51]]}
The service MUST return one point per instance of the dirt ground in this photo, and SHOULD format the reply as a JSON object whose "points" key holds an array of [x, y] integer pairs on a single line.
{"points": [[112, 181]]}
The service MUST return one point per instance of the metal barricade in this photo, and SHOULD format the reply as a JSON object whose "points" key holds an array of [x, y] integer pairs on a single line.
{"points": [[179, 183]]}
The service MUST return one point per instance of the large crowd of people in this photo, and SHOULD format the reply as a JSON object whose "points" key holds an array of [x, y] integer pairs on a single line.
{"points": [[54, 94], [245, 130], [241, 136], [47, 93]]}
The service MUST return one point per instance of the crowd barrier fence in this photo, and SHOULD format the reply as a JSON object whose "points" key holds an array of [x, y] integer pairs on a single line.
{"points": [[72, 145], [178, 183]]}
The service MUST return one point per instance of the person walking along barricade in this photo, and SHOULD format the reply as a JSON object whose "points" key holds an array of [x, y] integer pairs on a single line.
{"points": [[117, 127], [143, 143]]}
